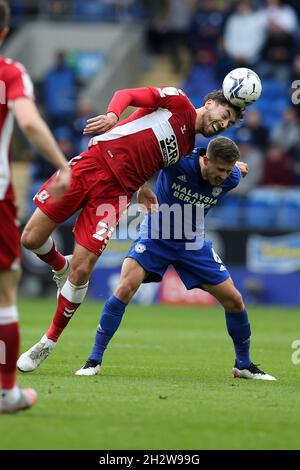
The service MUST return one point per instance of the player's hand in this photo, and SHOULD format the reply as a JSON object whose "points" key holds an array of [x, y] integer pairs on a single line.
{"points": [[60, 183], [243, 167], [101, 123], [147, 200]]}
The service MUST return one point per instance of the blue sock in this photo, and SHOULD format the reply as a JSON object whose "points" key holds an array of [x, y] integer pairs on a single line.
{"points": [[238, 327], [110, 320]]}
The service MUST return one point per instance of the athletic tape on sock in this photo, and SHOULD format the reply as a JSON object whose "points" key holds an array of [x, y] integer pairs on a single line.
{"points": [[75, 294], [8, 315], [45, 248]]}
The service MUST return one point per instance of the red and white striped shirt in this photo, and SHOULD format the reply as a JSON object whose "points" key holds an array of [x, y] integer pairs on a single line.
{"points": [[155, 136], [14, 83]]}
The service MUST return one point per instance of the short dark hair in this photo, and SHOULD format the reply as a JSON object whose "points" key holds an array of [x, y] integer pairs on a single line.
{"points": [[4, 14], [223, 148], [218, 97]]}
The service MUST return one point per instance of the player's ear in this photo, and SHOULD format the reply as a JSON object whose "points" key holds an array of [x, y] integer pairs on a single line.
{"points": [[208, 103], [4, 33], [205, 159]]}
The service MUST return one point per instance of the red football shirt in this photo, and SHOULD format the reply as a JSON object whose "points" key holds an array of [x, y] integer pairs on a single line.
{"points": [[155, 136], [14, 83]]}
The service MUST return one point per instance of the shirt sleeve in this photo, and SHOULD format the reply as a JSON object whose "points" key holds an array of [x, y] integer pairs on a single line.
{"points": [[18, 83], [166, 97], [235, 177]]}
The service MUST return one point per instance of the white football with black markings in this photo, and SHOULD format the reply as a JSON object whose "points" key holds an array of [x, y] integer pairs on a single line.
{"points": [[242, 87]]}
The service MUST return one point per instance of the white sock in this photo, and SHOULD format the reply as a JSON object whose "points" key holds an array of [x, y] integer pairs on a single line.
{"points": [[8, 315], [45, 248], [75, 294]]}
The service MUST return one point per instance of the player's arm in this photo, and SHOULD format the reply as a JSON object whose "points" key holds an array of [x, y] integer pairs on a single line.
{"points": [[38, 133], [147, 199], [138, 97]]}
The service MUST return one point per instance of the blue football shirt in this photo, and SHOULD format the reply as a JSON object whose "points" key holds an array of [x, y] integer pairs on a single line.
{"points": [[184, 199]]}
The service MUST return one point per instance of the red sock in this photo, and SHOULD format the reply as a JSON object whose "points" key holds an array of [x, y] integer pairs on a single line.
{"points": [[54, 258], [64, 312], [9, 351]]}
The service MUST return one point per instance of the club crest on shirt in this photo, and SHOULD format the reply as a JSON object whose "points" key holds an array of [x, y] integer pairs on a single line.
{"points": [[216, 191], [140, 248]]}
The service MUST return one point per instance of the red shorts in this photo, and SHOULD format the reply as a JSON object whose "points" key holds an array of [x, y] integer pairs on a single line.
{"points": [[96, 191], [10, 248]]}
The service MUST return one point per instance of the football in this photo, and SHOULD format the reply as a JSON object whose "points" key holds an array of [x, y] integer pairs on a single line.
{"points": [[242, 87]]}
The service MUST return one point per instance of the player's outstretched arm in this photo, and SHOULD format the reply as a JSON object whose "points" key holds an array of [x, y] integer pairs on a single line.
{"points": [[138, 97], [38, 133]]}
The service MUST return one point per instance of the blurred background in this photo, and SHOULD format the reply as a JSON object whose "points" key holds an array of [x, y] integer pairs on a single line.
{"points": [[79, 52]]}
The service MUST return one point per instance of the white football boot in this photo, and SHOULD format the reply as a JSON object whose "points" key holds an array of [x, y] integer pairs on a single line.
{"points": [[26, 399], [32, 359], [60, 277], [90, 368], [251, 372]]}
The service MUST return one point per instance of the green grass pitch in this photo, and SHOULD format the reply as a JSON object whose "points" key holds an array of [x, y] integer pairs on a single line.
{"points": [[166, 383]]}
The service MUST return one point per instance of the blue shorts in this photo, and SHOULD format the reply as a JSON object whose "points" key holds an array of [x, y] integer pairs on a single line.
{"points": [[194, 267]]}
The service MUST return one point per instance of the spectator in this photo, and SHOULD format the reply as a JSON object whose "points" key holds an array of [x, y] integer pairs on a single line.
{"points": [[41, 169], [244, 35], [205, 32], [277, 170], [282, 14], [259, 134], [169, 29], [287, 132], [296, 164], [83, 113], [277, 53], [58, 9], [253, 157], [178, 18], [59, 92]]}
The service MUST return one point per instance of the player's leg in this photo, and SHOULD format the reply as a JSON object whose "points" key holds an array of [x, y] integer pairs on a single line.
{"points": [[12, 397], [132, 276], [50, 214], [70, 298], [92, 231], [237, 322], [204, 268], [238, 328], [36, 237]]}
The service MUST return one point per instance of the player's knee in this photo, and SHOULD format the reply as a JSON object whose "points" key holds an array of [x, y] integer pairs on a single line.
{"points": [[29, 239], [234, 303], [125, 290], [80, 273]]}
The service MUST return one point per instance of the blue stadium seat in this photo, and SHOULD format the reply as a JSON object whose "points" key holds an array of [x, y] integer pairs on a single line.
{"points": [[226, 214], [201, 80], [289, 214], [261, 208], [93, 10]]}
